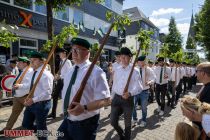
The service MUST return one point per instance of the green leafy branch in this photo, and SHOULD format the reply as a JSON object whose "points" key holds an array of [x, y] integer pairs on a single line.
{"points": [[144, 37], [60, 39], [119, 21], [6, 36]]}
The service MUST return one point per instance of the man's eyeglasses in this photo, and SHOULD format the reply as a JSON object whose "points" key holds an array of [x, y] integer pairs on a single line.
{"points": [[77, 50]]}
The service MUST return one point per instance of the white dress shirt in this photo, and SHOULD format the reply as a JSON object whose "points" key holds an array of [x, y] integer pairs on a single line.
{"points": [[44, 87], [115, 65], [66, 67], [96, 88], [182, 72], [25, 83], [175, 75], [150, 77], [120, 79], [166, 72]]}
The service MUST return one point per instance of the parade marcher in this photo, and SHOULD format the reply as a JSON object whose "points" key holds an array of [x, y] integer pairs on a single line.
{"points": [[172, 81], [151, 89], [38, 107], [3, 72], [14, 57], [148, 78], [185, 77], [58, 81], [122, 103], [115, 65], [162, 75], [81, 122], [179, 81], [190, 74], [203, 75], [12, 68], [20, 91]]}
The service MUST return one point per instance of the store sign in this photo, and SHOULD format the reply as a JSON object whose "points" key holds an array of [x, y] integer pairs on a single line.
{"points": [[26, 19]]}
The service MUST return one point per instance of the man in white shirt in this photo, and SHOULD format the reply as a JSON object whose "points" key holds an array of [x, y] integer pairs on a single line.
{"points": [[115, 65], [152, 86], [39, 105], [20, 91], [148, 78], [81, 122], [122, 102], [163, 74], [172, 81], [65, 65]]}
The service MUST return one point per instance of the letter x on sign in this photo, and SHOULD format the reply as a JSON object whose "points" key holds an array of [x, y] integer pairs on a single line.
{"points": [[26, 19]]}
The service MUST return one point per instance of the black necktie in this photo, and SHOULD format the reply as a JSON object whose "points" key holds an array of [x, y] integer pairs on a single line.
{"points": [[161, 75], [32, 80], [68, 92], [13, 90], [20, 71], [141, 72]]}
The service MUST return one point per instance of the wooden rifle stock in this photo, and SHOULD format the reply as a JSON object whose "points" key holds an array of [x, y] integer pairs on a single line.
{"points": [[31, 93], [129, 78], [79, 93], [23, 75]]}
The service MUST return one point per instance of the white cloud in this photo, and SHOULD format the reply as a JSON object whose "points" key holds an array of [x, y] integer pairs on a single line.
{"points": [[164, 30], [159, 21], [163, 11]]}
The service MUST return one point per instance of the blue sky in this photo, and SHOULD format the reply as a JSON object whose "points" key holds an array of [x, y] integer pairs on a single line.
{"points": [[160, 11]]}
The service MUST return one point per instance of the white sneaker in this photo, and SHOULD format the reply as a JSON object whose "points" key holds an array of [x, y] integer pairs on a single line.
{"points": [[158, 109], [142, 124], [161, 113]]}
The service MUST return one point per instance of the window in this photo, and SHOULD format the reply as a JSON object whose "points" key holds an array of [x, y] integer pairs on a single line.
{"points": [[41, 9], [78, 16], [24, 3], [6, 1], [63, 15], [28, 43], [108, 3]]}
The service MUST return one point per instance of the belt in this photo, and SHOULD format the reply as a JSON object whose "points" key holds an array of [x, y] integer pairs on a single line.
{"points": [[145, 90], [87, 121], [40, 102]]}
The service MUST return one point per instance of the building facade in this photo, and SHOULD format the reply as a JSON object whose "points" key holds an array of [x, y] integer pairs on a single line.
{"points": [[32, 23], [140, 21]]}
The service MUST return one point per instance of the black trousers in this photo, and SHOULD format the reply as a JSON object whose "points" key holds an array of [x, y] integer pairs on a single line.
{"points": [[179, 90], [121, 106], [161, 92], [185, 79], [171, 89], [57, 88]]}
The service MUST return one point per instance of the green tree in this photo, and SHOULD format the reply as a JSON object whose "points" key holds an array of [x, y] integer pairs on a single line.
{"points": [[202, 28], [6, 36], [191, 45], [174, 38]]}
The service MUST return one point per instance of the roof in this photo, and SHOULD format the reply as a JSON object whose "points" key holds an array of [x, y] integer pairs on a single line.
{"points": [[135, 14]]}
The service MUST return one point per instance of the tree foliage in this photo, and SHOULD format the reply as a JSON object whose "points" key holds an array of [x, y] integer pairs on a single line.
{"points": [[174, 38], [6, 36], [202, 27], [144, 39]]}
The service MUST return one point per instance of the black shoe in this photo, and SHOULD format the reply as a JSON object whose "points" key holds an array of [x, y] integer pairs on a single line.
{"points": [[51, 116]]}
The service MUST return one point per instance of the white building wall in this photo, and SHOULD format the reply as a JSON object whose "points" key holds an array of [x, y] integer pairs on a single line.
{"points": [[132, 42], [117, 7]]}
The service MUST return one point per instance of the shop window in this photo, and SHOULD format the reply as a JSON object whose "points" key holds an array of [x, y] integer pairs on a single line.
{"points": [[28, 43], [41, 9], [78, 17], [63, 14], [5, 1], [24, 3]]}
